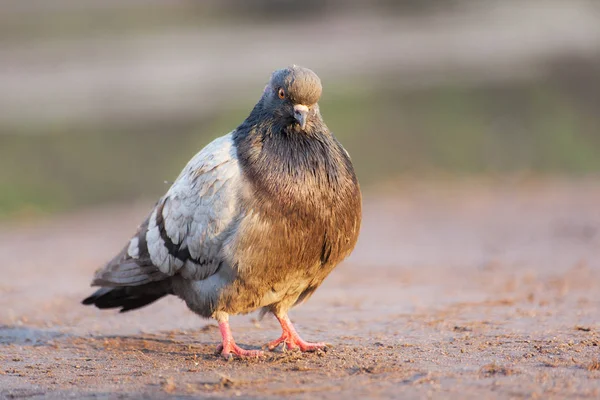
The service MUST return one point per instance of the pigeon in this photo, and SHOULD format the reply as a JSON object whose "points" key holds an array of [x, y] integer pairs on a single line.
{"points": [[255, 221]]}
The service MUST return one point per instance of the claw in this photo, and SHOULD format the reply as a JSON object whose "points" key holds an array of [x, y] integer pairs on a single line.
{"points": [[228, 352], [296, 342]]}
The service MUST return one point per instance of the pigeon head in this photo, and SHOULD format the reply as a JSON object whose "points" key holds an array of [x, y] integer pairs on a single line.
{"points": [[292, 95]]}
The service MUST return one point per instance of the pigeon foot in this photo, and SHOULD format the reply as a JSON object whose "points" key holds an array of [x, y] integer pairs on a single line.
{"points": [[233, 350], [292, 340], [296, 343], [229, 349]]}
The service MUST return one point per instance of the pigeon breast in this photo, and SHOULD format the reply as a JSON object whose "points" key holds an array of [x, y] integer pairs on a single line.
{"points": [[302, 208]]}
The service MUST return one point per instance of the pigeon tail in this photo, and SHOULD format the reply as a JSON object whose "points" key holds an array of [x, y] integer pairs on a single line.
{"points": [[127, 297]]}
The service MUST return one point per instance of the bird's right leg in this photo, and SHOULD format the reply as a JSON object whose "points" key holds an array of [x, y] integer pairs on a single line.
{"points": [[229, 349]]}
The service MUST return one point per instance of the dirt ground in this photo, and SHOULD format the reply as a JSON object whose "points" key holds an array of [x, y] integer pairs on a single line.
{"points": [[463, 290]]}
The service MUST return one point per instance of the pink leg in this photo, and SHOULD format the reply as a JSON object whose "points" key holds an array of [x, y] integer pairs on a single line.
{"points": [[291, 338], [229, 348]]}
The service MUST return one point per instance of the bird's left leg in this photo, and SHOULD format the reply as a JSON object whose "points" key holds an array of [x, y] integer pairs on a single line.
{"points": [[291, 338]]}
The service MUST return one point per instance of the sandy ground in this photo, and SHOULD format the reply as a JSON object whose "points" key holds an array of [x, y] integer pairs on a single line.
{"points": [[464, 290]]}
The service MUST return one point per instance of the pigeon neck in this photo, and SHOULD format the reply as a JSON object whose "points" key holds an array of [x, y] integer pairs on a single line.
{"points": [[302, 163]]}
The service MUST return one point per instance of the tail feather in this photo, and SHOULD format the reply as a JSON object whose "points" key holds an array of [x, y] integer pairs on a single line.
{"points": [[128, 297]]}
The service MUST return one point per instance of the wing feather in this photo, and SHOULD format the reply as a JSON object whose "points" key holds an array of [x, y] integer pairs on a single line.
{"points": [[185, 231]]}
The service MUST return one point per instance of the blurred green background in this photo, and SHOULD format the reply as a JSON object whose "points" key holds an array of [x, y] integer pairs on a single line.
{"points": [[102, 102]]}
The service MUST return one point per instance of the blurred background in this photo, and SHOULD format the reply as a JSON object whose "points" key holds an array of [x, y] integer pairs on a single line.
{"points": [[102, 102]]}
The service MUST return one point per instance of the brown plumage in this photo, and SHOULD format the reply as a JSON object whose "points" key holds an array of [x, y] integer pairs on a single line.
{"points": [[256, 220]]}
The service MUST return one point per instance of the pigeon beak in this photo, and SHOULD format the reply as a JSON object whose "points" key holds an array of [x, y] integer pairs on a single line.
{"points": [[300, 114]]}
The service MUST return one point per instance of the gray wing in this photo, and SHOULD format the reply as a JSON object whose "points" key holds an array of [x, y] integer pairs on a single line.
{"points": [[186, 230]]}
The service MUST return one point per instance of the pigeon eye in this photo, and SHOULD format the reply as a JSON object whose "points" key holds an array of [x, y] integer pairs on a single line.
{"points": [[281, 93]]}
